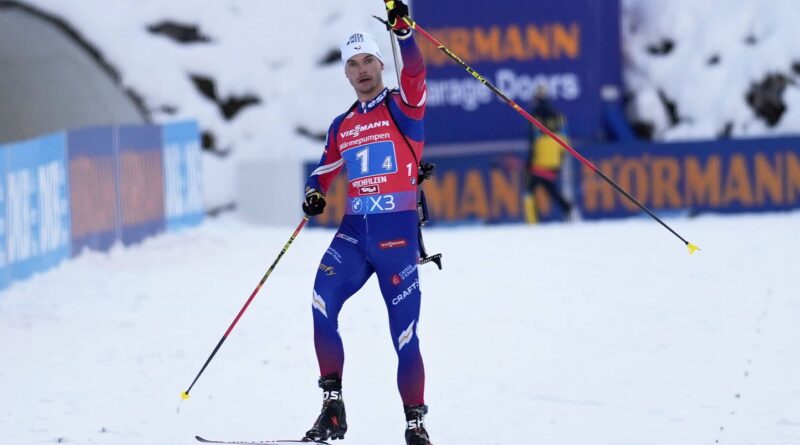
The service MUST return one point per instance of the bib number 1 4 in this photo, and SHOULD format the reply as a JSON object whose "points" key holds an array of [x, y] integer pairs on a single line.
{"points": [[370, 160]]}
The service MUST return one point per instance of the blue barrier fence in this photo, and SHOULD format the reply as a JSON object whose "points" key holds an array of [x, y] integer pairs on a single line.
{"points": [[36, 196], [183, 188], [93, 187]]}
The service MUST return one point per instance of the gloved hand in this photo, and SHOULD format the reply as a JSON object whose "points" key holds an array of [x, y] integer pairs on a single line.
{"points": [[425, 171], [314, 203], [396, 10]]}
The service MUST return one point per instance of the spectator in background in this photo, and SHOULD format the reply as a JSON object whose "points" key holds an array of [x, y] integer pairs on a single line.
{"points": [[545, 157]]}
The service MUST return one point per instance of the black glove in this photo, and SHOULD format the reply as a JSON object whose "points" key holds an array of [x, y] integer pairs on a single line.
{"points": [[396, 10], [425, 171], [314, 203]]}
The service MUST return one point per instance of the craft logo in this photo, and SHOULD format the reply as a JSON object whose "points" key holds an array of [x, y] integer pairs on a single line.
{"points": [[355, 131], [393, 244], [406, 293]]}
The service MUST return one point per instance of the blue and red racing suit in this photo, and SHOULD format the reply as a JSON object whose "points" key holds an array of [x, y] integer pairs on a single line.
{"points": [[380, 142]]}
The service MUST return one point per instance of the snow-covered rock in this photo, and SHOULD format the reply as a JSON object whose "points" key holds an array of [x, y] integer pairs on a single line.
{"points": [[706, 57]]}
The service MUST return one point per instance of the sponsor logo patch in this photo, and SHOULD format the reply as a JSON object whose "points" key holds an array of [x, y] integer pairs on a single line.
{"points": [[378, 99], [355, 38], [371, 190], [409, 290], [405, 273], [319, 304], [393, 244], [373, 180], [406, 336], [349, 239], [358, 129], [336, 256], [357, 205], [327, 270]]}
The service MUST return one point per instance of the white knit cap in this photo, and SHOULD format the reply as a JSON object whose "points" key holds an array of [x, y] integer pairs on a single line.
{"points": [[360, 43]]}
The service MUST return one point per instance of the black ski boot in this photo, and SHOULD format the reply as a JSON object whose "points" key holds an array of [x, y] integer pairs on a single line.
{"points": [[415, 425], [332, 421]]}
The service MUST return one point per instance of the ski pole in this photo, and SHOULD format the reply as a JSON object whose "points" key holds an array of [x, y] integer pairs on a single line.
{"points": [[413, 25], [185, 394]]}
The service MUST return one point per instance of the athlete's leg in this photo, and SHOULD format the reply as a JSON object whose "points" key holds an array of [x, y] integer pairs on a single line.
{"points": [[395, 255], [342, 272]]}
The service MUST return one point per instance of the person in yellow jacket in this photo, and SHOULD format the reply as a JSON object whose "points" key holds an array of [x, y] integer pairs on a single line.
{"points": [[545, 157]]}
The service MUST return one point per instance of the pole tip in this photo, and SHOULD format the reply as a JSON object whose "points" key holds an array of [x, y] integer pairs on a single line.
{"points": [[184, 395], [692, 248]]}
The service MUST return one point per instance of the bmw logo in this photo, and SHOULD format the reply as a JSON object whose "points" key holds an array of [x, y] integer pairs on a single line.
{"points": [[357, 205]]}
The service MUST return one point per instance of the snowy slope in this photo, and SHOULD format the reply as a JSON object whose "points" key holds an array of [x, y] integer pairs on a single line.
{"points": [[275, 51], [604, 333], [720, 49]]}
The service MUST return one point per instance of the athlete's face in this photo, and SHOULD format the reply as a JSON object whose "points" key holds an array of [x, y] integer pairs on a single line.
{"points": [[364, 71]]}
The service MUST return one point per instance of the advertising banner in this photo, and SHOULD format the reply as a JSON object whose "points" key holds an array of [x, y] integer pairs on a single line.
{"points": [[94, 188], [715, 176], [141, 182], [37, 212], [569, 47], [183, 189]]}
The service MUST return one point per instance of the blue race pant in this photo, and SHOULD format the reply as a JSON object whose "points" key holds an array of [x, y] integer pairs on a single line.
{"points": [[387, 245]]}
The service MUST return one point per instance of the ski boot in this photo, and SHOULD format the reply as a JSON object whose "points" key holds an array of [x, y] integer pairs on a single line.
{"points": [[415, 425], [332, 421]]}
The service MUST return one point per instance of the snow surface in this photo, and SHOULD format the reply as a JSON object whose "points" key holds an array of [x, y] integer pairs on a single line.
{"points": [[592, 333]]}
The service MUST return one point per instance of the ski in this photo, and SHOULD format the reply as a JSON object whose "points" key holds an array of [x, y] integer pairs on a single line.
{"points": [[258, 442]]}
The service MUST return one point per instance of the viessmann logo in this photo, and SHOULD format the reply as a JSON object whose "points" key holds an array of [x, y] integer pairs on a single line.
{"points": [[354, 132], [393, 244]]}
